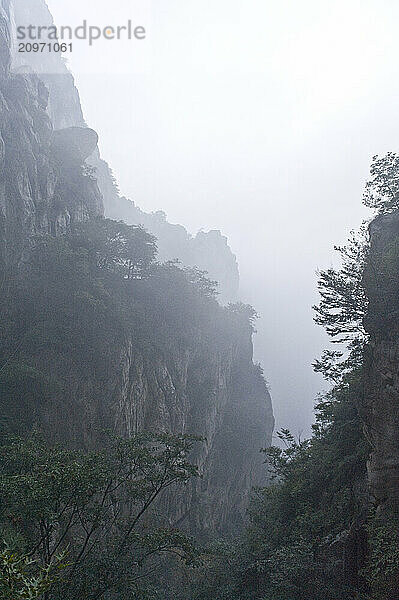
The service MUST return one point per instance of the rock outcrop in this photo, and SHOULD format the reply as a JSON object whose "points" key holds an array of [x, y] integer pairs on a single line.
{"points": [[380, 404], [74, 143], [39, 191]]}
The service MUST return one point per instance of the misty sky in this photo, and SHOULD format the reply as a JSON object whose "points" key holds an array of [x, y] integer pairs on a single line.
{"points": [[256, 117]]}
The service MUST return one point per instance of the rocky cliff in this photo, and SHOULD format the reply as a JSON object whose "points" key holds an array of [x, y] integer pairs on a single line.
{"points": [[44, 186], [78, 357], [207, 250], [133, 379], [380, 408]]}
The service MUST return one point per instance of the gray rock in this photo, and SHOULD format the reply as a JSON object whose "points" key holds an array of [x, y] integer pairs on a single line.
{"points": [[75, 143]]}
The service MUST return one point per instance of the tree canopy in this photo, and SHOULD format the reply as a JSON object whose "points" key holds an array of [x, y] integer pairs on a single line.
{"points": [[93, 508]]}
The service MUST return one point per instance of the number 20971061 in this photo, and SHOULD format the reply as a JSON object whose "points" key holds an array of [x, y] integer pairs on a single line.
{"points": [[44, 47]]}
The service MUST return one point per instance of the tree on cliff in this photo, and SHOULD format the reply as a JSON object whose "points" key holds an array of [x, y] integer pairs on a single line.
{"points": [[343, 306], [94, 507], [126, 249], [207, 287], [382, 190], [246, 312]]}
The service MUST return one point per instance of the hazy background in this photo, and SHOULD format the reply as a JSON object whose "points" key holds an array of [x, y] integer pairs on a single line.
{"points": [[256, 117]]}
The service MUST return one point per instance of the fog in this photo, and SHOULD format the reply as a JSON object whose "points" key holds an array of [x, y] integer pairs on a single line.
{"points": [[258, 118]]}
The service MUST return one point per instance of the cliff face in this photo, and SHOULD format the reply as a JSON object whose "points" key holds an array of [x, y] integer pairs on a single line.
{"points": [[43, 184], [134, 380], [179, 363], [207, 250], [380, 407]]}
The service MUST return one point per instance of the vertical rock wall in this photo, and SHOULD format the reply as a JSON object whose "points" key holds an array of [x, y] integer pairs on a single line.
{"points": [[380, 405]]}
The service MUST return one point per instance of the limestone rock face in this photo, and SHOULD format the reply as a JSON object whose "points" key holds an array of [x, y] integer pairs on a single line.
{"points": [[380, 404]]}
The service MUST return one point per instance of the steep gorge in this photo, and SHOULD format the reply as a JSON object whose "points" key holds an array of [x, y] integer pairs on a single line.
{"points": [[88, 347]]}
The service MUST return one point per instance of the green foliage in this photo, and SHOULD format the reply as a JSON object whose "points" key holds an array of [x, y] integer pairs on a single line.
{"points": [[95, 506], [22, 578], [207, 287], [342, 308], [305, 516], [382, 190], [126, 249], [382, 570], [343, 302]]}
